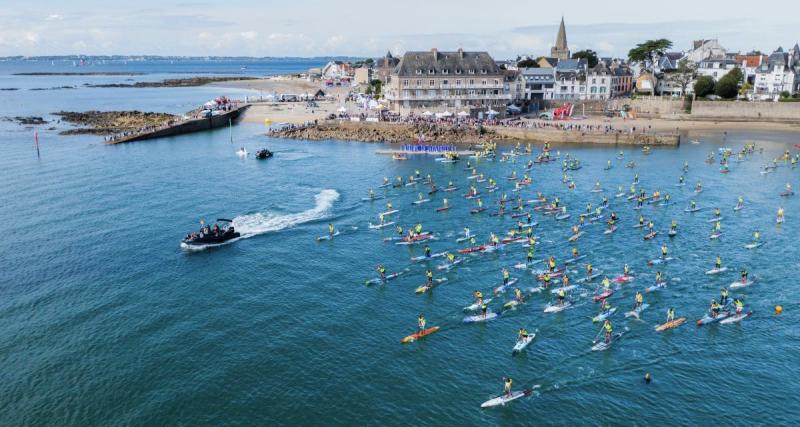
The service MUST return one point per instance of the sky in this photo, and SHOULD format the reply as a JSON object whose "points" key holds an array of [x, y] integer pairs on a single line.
{"points": [[369, 28]]}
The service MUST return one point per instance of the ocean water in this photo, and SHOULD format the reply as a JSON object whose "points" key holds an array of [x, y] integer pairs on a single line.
{"points": [[104, 320]]}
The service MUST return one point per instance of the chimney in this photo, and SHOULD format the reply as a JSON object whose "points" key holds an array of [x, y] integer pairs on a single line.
{"points": [[435, 53], [461, 53]]}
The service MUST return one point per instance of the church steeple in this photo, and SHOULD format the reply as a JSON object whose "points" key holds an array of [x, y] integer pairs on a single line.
{"points": [[561, 49]]}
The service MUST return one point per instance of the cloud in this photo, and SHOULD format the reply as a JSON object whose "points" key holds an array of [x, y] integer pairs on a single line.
{"points": [[54, 17], [248, 35]]}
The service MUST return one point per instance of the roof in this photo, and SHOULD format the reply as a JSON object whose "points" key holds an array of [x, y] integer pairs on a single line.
{"points": [[552, 61], [600, 68], [751, 60], [571, 64], [674, 56], [458, 62], [536, 71]]}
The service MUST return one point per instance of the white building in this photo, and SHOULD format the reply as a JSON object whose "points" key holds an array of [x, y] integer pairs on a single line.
{"points": [[716, 68], [570, 81], [777, 75], [705, 49], [599, 82]]}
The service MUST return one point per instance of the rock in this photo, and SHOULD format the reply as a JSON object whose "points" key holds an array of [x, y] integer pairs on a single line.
{"points": [[388, 132], [109, 122], [188, 82]]}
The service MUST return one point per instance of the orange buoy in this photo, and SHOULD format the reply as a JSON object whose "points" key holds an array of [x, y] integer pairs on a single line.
{"points": [[778, 309]]}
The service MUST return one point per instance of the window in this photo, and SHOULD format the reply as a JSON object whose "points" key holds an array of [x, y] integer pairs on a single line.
{"points": [[432, 93], [445, 82], [458, 70], [432, 83], [471, 71], [419, 92], [471, 82], [603, 80], [496, 82], [419, 71], [458, 82], [594, 80], [419, 83], [483, 71], [405, 83], [445, 71], [431, 71], [594, 89], [483, 82]]}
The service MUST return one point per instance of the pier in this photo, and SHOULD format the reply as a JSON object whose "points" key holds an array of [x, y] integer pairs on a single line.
{"points": [[194, 124]]}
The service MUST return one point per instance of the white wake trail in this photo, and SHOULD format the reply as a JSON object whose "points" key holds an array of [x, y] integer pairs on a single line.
{"points": [[260, 223]]}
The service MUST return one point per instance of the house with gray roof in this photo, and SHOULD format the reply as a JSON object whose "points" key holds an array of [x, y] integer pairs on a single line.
{"points": [[778, 74], [539, 83], [438, 81]]}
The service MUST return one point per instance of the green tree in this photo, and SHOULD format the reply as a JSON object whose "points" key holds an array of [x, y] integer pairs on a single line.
{"points": [[376, 86], [745, 89], [785, 94], [683, 75], [728, 85], [589, 55], [528, 63], [704, 86], [649, 51]]}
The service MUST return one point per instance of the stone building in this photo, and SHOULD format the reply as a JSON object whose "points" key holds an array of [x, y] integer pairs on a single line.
{"points": [[438, 81], [560, 50]]}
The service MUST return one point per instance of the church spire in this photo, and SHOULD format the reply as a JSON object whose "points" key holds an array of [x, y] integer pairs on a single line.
{"points": [[561, 38], [561, 50]]}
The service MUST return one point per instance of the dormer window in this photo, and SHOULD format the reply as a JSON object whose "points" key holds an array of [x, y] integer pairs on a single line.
{"points": [[458, 70], [431, 71], [471, 71], [419, 71], [445, 71], [483, 71]]}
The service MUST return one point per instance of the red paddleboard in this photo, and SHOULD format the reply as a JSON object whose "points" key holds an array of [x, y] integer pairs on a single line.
{"points": [[442, 209], [418, 335], [604, 295]]}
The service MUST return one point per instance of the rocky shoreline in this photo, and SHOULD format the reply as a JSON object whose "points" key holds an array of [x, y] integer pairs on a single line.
{"points": [[391, 133], [111, 122], [27, 120], [187, 82]]}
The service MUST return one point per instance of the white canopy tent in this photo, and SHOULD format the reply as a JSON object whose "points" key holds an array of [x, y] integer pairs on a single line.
{"points": [[463, 114], [427, 114]]}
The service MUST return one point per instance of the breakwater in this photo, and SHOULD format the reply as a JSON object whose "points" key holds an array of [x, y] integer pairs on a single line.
{"points": [[185, 126], [466, 135]]}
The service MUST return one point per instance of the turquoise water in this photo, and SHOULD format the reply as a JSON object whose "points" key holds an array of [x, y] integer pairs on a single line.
{"points": [[104, 320]]}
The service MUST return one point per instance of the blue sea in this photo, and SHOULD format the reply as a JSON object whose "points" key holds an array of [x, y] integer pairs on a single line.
{"points": [[105, 320]]}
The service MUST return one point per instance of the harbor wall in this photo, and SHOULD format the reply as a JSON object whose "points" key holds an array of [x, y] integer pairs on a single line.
{"points": [[561, 136], [188, 126], [742, 110]]}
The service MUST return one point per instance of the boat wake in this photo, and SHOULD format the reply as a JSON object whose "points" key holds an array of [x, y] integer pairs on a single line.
{"points": [[260, 223]]}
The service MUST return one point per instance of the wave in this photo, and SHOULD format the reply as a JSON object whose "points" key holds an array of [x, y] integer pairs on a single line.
{"points": [[260, 223]]}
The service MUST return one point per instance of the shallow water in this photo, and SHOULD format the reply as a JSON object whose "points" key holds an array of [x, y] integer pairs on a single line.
{"points": [[105, 320]]}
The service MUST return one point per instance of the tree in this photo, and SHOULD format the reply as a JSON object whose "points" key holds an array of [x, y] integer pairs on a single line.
{"points": [[589, 55], [745, 89], [649, 51], [704, 86], [728, 85], [528, 63], [683, 75], [375, 86]]}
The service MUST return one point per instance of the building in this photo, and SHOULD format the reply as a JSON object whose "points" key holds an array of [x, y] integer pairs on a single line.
{"points": [[777, 75], [621, 81], [705, 49], [384, 67], [560, 50], [716, 68], [749, 63], [570, 79], [335, 70], [598, 82], [514, 85], [446, 81], [646, 83], [539, 83], [362, 76]]}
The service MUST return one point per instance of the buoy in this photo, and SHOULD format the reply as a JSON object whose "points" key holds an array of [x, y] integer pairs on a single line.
{"points": [[778, 309], [647, 378]]}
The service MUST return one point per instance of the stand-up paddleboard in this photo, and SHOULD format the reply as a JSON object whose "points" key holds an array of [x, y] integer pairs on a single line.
{"points": [[671, 324], [502, 400], [413, 337]]}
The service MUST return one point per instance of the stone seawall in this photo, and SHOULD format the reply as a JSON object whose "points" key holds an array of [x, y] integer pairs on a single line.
{"points": [[741, 110], [464, 135]]}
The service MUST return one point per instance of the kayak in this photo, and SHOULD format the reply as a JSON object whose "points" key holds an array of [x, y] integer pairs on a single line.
{"points": [[481, 318], [736, 318], [475, 305], [754, 245], [739, 284], [603, 345], [503, 399], [707, 319], [671, 324], [604, 315], [328, 236], [502, 288], [637, 311], [575, 237], [379, 226], [413, 337], [659, 261], [389, 212], [604, 295], [426, 287], [555, 308], [520, 345], [716, 271]]}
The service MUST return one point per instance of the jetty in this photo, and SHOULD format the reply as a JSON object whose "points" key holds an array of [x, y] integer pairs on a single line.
{"points": [[197, 122]]}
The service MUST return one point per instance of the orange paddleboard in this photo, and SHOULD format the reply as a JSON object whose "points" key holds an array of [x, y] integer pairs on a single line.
{"points": [[414, 337]]}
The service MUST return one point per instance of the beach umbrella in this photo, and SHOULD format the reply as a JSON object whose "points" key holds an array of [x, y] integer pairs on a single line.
{"points": [[463, 114], [427, 113], [447, 114]]}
